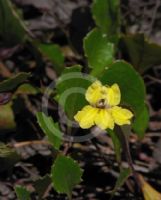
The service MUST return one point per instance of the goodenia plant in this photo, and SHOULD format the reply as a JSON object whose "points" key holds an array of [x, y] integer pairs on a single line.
{"points": [[111, 96]]}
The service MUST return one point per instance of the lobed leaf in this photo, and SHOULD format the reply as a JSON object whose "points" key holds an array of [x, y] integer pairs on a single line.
{"points": [[54, 54], [141, 53], [41, 185], [28, 89], [107, 16], [12, 29], [140, 125], [66, 174], [22, 193], [8, 158], [99, 51], [132, 90], [123, 176], [12, 83], [51, 129], [71, 87], [7, 119]]}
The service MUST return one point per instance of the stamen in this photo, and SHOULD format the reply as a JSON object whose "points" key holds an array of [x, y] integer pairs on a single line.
{"points": [[101, 103]]}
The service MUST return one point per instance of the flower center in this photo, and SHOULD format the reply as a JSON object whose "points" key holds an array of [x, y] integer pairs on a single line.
{"points": [[102, 103]]}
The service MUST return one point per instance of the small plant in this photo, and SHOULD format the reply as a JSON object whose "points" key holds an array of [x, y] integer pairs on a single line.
{"points": [[109, 97]]}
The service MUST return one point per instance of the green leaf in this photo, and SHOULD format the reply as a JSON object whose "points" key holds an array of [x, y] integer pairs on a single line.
{"points": [[116, 143], [12, 30], [42, 184], [131, 85], [51, 129], [22, 193], [124, 174], [99, 51], [27, 89], [130, 82], [141, 123], [66, 174], [141, 53], [5, 151], [72, 69], [71, 87], [107, 16], [13, 82], [54, 54], [8, 158], [7, 120]]}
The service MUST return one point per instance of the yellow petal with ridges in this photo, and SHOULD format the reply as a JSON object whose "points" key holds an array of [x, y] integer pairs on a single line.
{"points": [[113, 95], [121, 116], [95, 93], [86, 116], [104, 119]]}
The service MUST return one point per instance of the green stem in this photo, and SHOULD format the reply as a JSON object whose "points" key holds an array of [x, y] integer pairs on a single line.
{"points": [[125, 145], [70, 196]]}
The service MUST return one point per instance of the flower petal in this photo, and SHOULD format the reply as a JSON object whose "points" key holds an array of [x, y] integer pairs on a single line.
{"points": [[104, 119], [86, 116], [95, 93], [121, 116], [113, 95]]}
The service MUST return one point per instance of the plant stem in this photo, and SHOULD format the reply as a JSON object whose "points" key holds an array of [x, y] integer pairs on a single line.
{"points": [[26, 143], [126, 149]]}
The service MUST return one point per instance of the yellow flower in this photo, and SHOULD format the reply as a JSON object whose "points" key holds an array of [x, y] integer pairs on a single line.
{"points": [[103, 110]]}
